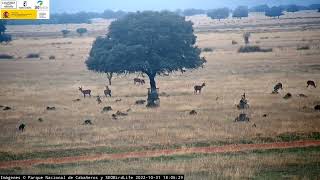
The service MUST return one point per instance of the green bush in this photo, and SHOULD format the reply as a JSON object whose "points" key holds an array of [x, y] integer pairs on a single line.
{"points": [[6, 56], [249, 49], [207, 49]]}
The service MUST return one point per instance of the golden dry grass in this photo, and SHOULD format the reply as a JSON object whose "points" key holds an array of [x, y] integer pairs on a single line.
{"points": [[29, 85]]}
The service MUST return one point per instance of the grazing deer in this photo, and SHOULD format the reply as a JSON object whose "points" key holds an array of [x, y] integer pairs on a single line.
{"points": [[99, 100], [21, 127], [107, 91], [311, 83], [85, 92], [138, 81], [199, 88], [277, 87]]}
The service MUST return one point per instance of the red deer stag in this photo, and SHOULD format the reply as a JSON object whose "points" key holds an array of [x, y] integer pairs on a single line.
{"points": [[197, 89], [85, 92]]}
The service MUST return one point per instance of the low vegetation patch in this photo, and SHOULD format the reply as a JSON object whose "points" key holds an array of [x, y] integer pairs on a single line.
{"points": [[33, 55], [207, 49], [6, 56], [250, 49], [303, 48], [234, 42]]}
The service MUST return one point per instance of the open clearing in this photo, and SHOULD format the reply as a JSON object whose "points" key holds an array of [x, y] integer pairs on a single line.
{"points": [[30, 85]]}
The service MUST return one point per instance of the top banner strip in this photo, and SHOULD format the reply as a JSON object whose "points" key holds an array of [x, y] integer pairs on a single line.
{"points": [[25, 9]]}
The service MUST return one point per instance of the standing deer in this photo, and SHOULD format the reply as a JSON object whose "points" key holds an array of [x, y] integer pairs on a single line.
{"points": [[311, 83], [85, 92], [199, 88], [138, 81], [107, 91], [99, 100]]}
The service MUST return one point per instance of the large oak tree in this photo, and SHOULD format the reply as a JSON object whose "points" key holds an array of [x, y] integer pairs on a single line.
{"points": [[148, 42]]}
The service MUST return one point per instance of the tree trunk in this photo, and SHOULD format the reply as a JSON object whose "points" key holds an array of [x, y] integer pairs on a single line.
{"points": [[153, 85], [153, 97], [109, 76]]}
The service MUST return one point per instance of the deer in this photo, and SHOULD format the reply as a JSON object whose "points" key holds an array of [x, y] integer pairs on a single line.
{"points": [[138, 81], [85, 92], [99, 100], [277, 87], [107, 91], [311, 83], [21, 127], [197, 89]]}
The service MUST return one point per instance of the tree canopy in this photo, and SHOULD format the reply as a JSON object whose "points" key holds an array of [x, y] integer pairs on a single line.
{"points": [[81, 31], [240, 12], [148, 42], [274, 12], [292, 8], [221, 13], [259, 8], [192, 12], [3, 26], [4, 37]]}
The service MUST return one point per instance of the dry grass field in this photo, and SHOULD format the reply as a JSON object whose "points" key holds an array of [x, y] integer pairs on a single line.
{"points": [[30, 85]]}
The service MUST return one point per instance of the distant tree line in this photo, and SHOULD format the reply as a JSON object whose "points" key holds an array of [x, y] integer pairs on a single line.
{"points": [[220, 13], [76, 18], [288, 8]]}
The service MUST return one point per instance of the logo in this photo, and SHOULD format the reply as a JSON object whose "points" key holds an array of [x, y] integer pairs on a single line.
{"points": [[8, 4], [6, 14], [40, 3]]}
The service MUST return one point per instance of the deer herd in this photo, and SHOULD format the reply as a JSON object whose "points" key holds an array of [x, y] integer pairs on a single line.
{"points": [[197, 90]]}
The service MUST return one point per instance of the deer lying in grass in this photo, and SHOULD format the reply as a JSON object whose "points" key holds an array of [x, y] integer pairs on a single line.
{"points": [[107, 92], [197, 89], [138, 81], [85, 92], [311, 83]]}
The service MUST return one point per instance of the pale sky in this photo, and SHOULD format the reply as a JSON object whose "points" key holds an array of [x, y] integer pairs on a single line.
{"points": [[134, 5]]}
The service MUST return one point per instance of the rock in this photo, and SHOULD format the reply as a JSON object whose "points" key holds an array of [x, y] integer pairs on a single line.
{"points": [[265, 115], [76, 100], [118, 100], [140, 102], [302, 95], [317, 107], [114, 117], [287, 96], [107, 109], [51, 108], [119, 113], [193, 112], [7, 108], [87, 122]]}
